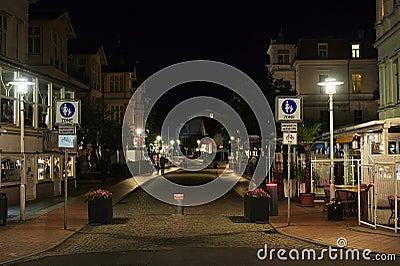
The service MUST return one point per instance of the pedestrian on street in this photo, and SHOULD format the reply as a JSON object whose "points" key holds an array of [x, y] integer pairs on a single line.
{"points": [[162, 163]]}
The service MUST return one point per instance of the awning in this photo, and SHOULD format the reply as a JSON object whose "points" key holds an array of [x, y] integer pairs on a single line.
{"points": [[345, 138]]}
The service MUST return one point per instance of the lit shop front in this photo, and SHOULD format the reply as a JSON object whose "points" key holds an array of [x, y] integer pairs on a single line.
{"points": [[27, 134]]}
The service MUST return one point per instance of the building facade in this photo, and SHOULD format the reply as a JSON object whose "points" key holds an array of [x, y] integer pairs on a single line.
{"points": [[34, 48], [309, 61]]}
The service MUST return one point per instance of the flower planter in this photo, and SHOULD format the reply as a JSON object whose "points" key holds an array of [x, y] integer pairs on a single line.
{"points": [[335, 213], [100, 211], [307, 199], [256, 209]]}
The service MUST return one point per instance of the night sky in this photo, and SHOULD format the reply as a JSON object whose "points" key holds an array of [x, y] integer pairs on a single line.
{"points": [[158, 35]]}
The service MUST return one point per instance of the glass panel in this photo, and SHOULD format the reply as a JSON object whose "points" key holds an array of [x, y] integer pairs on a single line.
{"points": [[44, 167], [43, 116], [7, 110], [10, 169]]}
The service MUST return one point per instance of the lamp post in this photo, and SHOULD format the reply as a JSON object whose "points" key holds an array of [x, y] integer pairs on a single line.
{"points": [[22, 88], [330, 86]]}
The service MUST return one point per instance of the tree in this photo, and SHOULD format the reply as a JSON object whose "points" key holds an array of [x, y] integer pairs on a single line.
{"points": [[100, 131], [308, 134]]}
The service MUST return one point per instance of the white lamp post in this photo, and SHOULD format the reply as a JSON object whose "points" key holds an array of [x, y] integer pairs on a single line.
{"points": [[22, 88], [330, 85], [139, 132]]}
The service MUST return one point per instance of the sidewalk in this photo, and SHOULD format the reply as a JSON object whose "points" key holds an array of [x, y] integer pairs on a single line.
{"points": [[311, 224]]}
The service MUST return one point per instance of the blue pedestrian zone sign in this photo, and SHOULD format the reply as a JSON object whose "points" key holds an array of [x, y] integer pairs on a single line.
{"points": [[288, 109], [67, 112]]}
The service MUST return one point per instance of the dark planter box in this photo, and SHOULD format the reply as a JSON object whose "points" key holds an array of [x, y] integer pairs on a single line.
{"points": [[100, 211], [335, 214], [256, 210]]}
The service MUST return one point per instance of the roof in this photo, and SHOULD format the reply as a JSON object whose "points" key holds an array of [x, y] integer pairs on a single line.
{"points": [[52, 14]]}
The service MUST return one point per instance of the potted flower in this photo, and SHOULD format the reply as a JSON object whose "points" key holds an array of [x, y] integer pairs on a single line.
{"points": [[256, 205], [308, 134], [335, 210], [99, 206]]}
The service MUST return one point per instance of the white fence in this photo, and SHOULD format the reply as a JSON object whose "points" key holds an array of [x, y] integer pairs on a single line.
{"points": [[381, 171], [384, 172]]}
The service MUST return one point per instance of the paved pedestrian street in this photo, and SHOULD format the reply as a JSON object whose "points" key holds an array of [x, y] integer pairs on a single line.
{"points": [[142, 223]]}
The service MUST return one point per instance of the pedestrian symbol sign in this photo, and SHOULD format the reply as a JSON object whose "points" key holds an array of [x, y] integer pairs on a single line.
{"points": [[288, 109], [67, 112], [289, 106]]}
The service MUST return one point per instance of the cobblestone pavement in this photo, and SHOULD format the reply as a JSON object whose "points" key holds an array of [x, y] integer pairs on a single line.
{"points": [[144, 223]]}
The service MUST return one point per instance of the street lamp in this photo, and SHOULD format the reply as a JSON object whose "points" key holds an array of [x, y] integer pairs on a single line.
{"points": [[22, 88], [330, 86]]}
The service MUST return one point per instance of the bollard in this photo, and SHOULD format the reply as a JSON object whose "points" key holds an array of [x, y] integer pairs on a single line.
{"points": [[178, 197], [273, 201]]}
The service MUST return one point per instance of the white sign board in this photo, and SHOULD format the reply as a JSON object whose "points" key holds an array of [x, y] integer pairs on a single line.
{"points": [[289, 127], [289, 138], [66, 141], [67, 112], [288, 109]]}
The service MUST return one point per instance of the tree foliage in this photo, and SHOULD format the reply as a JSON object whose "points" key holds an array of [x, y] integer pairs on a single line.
{"points": [[99, 130], [308, 134]]}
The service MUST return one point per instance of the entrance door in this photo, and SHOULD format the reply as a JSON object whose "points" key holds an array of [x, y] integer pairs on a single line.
{"points": [[30, 178]]}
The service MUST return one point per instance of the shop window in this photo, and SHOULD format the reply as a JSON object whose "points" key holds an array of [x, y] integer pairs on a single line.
{"points": [[10, 169], [44, 167]]}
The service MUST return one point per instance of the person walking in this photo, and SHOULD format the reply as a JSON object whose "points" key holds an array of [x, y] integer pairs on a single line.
{"points": [[162, 164]]}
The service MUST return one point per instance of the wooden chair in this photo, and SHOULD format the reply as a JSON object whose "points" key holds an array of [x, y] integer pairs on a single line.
{"points": [[348, 200]]}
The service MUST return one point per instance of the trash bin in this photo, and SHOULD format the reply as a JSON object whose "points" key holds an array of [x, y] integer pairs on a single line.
{"points": [[273, 203], [3, 207]]}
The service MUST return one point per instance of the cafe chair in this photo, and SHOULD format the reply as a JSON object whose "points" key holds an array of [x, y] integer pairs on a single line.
{"points": [[392, 206], [348, 200]]}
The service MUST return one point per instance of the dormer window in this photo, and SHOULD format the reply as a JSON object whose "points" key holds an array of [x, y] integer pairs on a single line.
{"points": [[283, 56], [355, 50], [323, 50]]}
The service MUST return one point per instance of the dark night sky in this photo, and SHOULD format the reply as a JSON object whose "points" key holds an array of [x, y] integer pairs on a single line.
{"points": [[158, 35]]}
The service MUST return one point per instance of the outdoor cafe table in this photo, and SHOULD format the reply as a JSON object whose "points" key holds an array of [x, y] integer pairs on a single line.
{"points": [[354, 191]]}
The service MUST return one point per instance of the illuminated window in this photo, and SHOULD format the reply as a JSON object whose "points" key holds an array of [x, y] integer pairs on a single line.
{"points": [[323, 50], [356, 82], [355, 50], [322, 78]]}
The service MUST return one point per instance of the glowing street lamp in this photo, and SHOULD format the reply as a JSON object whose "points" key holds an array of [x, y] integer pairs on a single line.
{"points": [[22, 89], [330, 86]]}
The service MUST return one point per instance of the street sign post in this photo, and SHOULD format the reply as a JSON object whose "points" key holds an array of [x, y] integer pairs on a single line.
{"points": [[67, 116]]}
